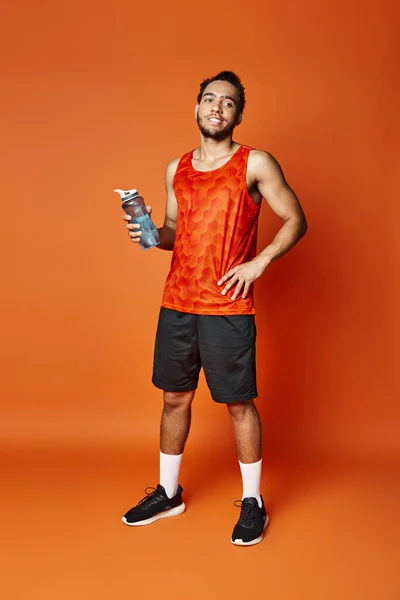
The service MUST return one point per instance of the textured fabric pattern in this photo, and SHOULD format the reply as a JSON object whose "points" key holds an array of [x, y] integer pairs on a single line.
{"points": [[216, 230]]}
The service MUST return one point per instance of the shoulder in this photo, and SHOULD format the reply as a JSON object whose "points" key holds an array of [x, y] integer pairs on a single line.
{"points": [[262, 164], [260, 158], [173, 164], [171, 167]]}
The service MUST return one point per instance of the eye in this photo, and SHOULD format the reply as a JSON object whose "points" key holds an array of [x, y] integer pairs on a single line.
{"points": [[228, 104]]}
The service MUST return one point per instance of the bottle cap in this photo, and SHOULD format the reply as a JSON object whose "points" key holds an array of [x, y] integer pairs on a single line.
{"points": [[127, 194]]}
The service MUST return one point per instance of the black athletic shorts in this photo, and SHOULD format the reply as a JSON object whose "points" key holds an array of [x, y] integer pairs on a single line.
{"points": [[223, 345]]}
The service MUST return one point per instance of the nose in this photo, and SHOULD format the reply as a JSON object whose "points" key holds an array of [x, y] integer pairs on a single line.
{"points": [[216, 107]]}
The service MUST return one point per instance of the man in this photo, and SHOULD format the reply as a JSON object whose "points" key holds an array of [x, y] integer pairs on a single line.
{"points": [[206, 319]]}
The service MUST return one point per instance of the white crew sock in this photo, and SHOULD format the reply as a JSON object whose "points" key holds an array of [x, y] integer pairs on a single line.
{"points": [[251, 477], [170, 465]]}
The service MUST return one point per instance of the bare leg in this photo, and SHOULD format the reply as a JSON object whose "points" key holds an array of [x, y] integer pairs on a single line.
{"points": [[247, 430], [175, 425], [175, 421]]}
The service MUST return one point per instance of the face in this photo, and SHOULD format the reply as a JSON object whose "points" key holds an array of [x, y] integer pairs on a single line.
{"points": [[217, 114]]}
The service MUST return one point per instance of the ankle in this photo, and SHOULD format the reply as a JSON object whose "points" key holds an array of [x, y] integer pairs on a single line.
{"points": [[251, 477], [170, 465]]}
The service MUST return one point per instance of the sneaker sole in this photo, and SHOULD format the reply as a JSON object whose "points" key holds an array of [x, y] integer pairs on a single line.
{"points": [[252, 542], [172, 512]]}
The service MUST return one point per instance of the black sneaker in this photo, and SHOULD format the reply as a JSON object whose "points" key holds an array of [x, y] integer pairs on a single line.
{"points": [[155, 505], [253, 520]]}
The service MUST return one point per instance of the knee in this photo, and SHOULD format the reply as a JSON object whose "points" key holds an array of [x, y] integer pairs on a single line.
{"points": [[177, 400], [238, 410]]}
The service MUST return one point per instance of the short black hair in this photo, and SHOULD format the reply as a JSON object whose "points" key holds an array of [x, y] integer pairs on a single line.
{"points": [[230, 77]]}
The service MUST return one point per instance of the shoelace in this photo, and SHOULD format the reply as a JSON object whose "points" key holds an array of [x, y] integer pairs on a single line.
{"points": [[148, 495], [248, 511]]}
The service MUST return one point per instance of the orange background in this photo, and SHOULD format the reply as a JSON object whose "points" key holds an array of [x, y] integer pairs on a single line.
{"points": [[99, 95]]}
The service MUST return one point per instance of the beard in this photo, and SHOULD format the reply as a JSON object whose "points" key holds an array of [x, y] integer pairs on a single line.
{"points": [[219, 134]]}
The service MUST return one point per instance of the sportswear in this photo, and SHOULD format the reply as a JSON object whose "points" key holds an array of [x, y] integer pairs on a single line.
{"points": [[224, 345], [216, 230], [249, 529], [155, 505]]}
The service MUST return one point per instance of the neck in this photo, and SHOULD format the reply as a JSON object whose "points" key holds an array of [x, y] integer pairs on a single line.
{"points": [[210, 148]]}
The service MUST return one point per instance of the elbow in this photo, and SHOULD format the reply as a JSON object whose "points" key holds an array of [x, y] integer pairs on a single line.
{"points": [[303, 226], [299, 225]]}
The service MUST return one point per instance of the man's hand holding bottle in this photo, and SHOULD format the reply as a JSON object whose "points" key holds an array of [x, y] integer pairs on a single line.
{"points": [[134, 229]]}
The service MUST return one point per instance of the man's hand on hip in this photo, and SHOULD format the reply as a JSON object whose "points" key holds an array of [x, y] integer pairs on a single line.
{"points": [[243, 276]]}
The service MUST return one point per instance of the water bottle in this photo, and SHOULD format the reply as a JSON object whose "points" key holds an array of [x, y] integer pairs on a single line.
{"points": [[134, 205]]}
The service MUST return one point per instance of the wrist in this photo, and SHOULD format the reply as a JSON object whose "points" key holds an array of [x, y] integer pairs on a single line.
{"points": [[262, 260]]}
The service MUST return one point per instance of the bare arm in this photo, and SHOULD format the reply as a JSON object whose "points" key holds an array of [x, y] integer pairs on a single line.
{"points": [[167, 231], [283, 201], [268, 178]]}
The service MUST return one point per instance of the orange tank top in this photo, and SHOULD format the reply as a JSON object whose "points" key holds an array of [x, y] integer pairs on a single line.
{"points": [[216, 230]]}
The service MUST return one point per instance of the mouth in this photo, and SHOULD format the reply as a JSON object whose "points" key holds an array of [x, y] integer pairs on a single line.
{"points": [[215, 120]]}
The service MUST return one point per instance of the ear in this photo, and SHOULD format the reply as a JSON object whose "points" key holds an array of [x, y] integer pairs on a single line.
{"points": [[239, 118], [196, 110]]}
